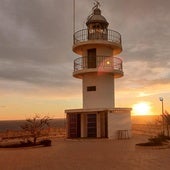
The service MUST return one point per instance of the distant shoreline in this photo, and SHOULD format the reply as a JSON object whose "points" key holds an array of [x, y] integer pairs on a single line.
{"points": [[15, 124], [61, 122]]}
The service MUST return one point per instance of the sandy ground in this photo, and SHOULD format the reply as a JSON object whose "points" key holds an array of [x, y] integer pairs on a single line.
{"points": [[83, 154]]}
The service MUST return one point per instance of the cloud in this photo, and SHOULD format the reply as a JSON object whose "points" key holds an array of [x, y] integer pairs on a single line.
{"points": [[3, 106], [36, 42]]}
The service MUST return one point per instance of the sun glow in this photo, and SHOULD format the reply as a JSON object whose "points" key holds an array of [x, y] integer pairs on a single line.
{"points": [[142, 108]]}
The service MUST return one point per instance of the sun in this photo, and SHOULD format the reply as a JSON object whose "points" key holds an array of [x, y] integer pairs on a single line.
{"points": [[142, 108]]}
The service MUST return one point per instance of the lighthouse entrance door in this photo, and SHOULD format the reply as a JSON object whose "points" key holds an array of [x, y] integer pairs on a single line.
{"points": [[91, 58]]}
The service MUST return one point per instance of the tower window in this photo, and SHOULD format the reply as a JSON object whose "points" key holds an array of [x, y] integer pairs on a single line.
{"points": [[91, 88]]}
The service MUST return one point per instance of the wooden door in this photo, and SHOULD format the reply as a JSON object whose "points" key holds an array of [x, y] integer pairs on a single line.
{"points": [[91, 58], [74, 126]]}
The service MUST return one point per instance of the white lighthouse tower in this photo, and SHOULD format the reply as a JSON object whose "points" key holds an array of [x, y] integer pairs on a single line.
{"points": [[98, 68]]}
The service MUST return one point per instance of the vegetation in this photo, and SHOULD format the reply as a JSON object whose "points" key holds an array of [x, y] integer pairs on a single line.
{"points": [[166, 123], [158, 140], [164, 136], [33, 129], [34, 126]]}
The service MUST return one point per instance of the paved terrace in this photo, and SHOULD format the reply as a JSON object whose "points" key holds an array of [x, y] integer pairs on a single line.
{"points": [[93, 154]]}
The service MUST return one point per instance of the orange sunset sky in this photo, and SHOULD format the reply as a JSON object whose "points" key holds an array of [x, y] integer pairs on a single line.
{"points": [[36, 58]]}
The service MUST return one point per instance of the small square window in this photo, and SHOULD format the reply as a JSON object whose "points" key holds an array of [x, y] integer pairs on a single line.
{"points": [[91, 88]]}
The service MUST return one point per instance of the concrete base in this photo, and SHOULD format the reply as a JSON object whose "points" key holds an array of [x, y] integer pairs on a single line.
{"points": [[110, 123]]}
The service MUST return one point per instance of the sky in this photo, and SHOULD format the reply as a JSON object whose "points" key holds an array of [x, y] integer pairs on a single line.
{"points": [[36, 58]]}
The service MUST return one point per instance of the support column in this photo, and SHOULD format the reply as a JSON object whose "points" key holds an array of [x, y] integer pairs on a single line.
{"points": [[82, 125], [98, 125], [67, 126]]}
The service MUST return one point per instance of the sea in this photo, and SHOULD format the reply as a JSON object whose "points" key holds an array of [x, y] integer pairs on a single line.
{"points": [[16, 124], [61, 123]]}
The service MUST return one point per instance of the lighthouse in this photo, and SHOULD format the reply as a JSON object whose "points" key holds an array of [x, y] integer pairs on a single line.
{"points": [[98, 66]]}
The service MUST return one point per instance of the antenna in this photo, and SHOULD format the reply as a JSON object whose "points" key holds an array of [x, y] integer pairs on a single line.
{"points": [[74, 16]]}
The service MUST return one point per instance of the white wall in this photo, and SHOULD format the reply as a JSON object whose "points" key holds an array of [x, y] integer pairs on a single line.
{"points": [[101, 50], [103, 97], [118, 121]]}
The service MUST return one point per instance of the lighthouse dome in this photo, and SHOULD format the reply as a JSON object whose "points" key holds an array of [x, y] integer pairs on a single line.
{"points": [[96, 17]]}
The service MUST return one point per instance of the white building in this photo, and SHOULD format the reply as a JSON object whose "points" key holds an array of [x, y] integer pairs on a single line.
{"points": [[98, 68]]}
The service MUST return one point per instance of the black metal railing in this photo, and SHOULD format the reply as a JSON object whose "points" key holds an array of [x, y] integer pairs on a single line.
{"points": [[99, 63], [109, 35]]}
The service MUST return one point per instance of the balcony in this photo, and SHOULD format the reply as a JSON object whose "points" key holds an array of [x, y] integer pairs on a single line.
{"points": [[109, 37], [104, 64]]}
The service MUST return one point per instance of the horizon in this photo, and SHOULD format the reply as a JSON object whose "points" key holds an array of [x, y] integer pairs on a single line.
{"points": [[138, 116]]}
